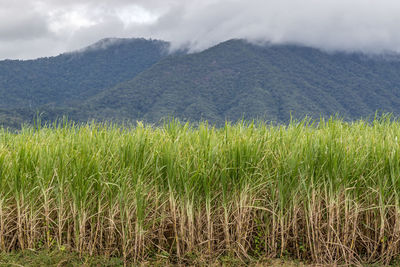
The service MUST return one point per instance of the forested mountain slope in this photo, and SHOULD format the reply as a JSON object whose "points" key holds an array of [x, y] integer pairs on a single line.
{"points": [[235, 80], [72, 76], [136, 79]]}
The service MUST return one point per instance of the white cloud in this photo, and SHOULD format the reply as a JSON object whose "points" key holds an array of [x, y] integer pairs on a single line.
{"points": [[56, 26], [135, 14]]}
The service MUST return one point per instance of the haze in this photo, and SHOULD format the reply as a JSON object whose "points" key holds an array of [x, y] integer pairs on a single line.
{"points": [[31, 29]]}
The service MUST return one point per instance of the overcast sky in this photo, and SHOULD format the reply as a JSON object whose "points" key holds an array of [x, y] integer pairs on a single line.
{"points": [[36, 28]]}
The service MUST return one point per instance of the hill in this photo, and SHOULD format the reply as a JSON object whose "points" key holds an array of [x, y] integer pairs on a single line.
{"points": [[56, 84], [237, 80], [135, 79]]}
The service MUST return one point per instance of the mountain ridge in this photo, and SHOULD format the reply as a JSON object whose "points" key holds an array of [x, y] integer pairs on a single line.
{"points": [[230, 81], [273, 83]]}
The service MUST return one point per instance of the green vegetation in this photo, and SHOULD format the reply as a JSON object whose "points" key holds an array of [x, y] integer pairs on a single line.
{"points": [[133, 80], [53, 85], [236, 80], [56, 258], [29, 258], [320, 192], [74, 76]]}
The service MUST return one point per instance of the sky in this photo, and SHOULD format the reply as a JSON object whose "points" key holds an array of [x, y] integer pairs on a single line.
{"points": [[38, 28]]}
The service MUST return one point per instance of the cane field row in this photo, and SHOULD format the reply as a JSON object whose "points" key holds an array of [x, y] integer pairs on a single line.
{"points": [[321, 192]]}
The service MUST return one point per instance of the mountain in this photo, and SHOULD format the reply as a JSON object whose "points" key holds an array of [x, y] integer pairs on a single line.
{"points": [[236, 79], [66, 80], [135, 79]]}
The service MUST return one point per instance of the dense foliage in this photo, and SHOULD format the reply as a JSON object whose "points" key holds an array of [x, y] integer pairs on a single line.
{"points": [[237, 80], [56, 84], [325, 192], [124, 80]]}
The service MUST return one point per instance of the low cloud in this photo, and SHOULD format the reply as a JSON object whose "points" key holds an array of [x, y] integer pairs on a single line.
{"points": [[48, 27], [362, 25]]}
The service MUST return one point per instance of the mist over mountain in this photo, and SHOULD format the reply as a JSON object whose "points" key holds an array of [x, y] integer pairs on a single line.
{"points": [[48, 27], [236, 79], [136, 79]]}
